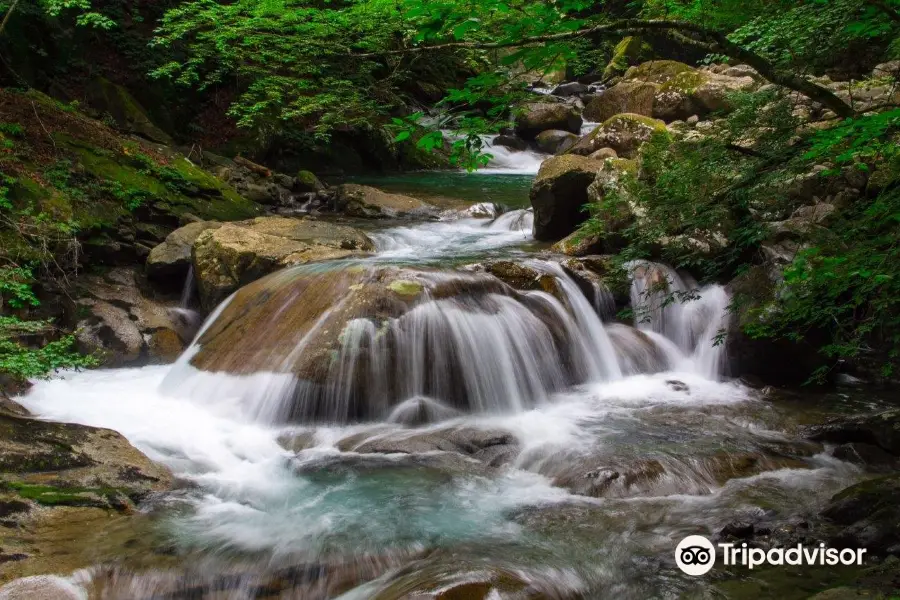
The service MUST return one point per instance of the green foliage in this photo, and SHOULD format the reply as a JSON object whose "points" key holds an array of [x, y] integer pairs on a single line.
{"points": [[813, 33]]}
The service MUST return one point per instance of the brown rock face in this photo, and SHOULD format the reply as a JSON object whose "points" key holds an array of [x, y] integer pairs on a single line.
{"points": [[367, 202], [239, 253], [559, 194]]}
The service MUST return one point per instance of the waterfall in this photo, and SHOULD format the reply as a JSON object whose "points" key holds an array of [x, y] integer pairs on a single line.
{"points": [[190, 285], [507, 160], [672, 306]]}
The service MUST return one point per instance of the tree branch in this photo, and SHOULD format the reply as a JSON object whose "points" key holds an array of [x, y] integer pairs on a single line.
{"points": [[8, 14], [681, 32], [890, 12]]}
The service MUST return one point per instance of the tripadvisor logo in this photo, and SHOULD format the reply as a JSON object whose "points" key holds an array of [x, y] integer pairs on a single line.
{"points": [[696, 555]]}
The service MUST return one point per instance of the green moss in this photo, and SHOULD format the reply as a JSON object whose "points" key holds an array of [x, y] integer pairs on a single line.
{"points": [[405, 287], [629, 51], [309, 181], [66, 496], [658, 71], [628, 120], [685, 83]]}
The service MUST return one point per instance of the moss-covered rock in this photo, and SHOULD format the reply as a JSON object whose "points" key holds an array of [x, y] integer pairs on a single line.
{"points": [[236, 254], [543, 116], [697, 93], [624, 133], [630, 51], [554, 141], [634, 97], [657, 71], [109, 99], [306, 181], [559, 194]]}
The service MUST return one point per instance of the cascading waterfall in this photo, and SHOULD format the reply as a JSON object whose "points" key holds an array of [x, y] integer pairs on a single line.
{"points": [[464, 340], [672, 306]]}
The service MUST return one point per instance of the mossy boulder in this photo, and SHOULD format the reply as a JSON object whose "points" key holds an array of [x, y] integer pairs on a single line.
{"points": [[616, 209], [579, 244], [56, 464], [235, 254], [697, 93], [559, 194], [635, 97], [306, 181], [657, 71], [110, 99], [624, 133], [368, 202], [630, 51], [543, 116], [554, 141]]}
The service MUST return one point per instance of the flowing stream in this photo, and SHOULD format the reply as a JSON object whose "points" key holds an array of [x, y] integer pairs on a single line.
{"points": [[477, 441]]}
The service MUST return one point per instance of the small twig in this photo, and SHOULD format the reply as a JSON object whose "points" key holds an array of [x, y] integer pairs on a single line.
{"points": [[52, 141]]}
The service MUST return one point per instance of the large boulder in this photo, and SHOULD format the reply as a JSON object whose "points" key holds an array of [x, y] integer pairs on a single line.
{"points": [[615, 206], [235, 254], [110, 99], [559, 194], [169, 262], [634, 97], [657, 71], [542, 116], [881, 430], [697, 93], [869, 516], [776, 361], [554, 141], [368, 202], [624, 133]]}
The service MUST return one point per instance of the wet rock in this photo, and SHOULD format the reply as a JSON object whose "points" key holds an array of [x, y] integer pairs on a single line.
{"points": [[630, 51], [543, 116], [869, 456], [306, 181], [238, 253], [555, 141], [740, 530], [41, 587], [368, 202], [579, 244], [881, 430], [573, 88], [421, 411], [869, 513], [559, 194], [624, 133], [510, 141], [120, 324], [64, 464], [635, 97], [168, 262]]}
